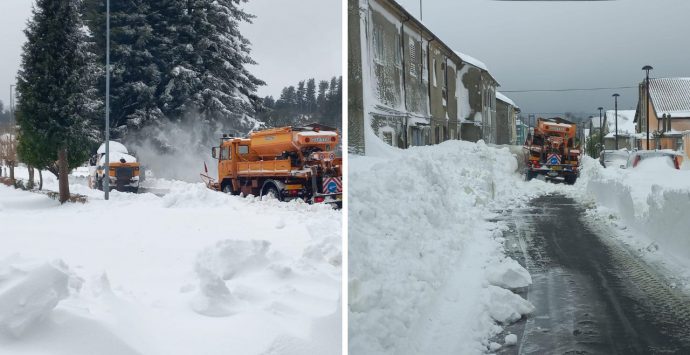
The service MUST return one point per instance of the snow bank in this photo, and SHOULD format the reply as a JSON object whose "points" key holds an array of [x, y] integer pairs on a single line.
{"points": [[420, 245], [221, 262], [506, 307], [29, 291], [653, 199], [508, 274], [510, 339], [192, 272]]}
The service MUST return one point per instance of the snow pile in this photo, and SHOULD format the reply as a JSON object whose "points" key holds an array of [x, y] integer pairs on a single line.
{"points": [[653, 199], [508, 274], [192, 272], [421, 248], [221, 262], [506, 307], [29, 291], [117, 157], [113, 147]]}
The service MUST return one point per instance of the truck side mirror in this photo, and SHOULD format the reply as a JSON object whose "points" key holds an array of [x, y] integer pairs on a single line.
{"points": [[214, 152]]}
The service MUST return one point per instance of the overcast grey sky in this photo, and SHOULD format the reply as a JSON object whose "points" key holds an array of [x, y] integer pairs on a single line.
{"points": [[13, 17], [555, 45], [292, 40]]}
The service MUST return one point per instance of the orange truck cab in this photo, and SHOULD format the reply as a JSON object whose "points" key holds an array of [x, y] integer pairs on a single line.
{"points": [[286, 163], [124, 173], [550, 151]]}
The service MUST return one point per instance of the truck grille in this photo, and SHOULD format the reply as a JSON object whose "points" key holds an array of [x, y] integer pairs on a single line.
{"points": [[124, 173]]}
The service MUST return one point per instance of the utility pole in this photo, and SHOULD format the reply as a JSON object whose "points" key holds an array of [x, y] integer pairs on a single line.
{"points": [[12, 121], [601, 130], [647, 68], [420, 10], [13, 128], [106, 172], [615, 97]]}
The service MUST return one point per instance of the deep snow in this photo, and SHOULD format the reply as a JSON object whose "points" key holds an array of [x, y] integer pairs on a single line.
{"points": [[428, 272], [646, 207], [427, 267], [193, 272]]}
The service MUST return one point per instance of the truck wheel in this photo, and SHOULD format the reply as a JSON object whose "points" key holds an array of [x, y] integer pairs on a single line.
{"points": [[227, 189], [570, 179], [270, 191]]}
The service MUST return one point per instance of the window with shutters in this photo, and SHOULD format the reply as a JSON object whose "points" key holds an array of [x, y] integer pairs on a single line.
{"points": [[413, 57], [378, 44]]}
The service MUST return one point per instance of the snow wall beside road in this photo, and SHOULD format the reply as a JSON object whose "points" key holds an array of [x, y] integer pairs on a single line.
{"points": [[653, 201], [425, 257]]}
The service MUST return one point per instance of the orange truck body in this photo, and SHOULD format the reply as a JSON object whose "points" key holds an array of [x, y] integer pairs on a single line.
{"points": [[289, 163], [124, 175], [550, 150]]}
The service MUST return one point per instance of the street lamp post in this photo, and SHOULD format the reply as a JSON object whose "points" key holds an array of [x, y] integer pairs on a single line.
{"points": [[615, 97], [12, 123], [647, 68], [106, 174], [601, 129]]}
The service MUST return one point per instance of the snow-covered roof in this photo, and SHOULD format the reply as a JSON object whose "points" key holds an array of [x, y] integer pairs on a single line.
{"points": [[626, 120], [115, 158], [595, 121], [670, 95], [113, 147], [505, 99], [472, 60]]}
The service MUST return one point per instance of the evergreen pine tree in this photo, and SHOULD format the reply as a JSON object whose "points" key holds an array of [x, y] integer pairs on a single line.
{"points": [[135, 72], [58, 102], [301, 95], [321, 98], [310, 96], [291, 97], [206, 73]]}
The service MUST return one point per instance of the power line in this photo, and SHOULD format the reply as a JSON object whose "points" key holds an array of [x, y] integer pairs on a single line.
{"points": [[577, 89]]}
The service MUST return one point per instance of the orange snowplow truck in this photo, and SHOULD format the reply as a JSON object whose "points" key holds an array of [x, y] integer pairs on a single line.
{"points": [[550, 151], [286, 163]]}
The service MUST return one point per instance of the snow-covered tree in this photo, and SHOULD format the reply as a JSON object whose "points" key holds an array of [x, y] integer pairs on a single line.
{"points": [[135, 71], [310, 95], [289, 110], [301, 96], [321, 98], [206, 72], [58, 101]]}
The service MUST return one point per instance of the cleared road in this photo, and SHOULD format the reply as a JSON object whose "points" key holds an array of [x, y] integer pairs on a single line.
{"points": [[592, 296]]}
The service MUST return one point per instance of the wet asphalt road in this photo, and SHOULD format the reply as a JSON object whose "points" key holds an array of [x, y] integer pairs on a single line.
{"points": [[592, 295]]}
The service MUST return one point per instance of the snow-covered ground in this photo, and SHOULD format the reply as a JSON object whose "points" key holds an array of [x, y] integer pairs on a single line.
{"points": [[427, 269], [648, 208], [192, 272]]}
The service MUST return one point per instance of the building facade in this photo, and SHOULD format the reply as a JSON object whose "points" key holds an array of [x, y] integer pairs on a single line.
{"points": [[506, 117], [407, 87], [668, 110], [626, 129]]}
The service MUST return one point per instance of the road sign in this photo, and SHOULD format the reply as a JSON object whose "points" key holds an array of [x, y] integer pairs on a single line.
{"points": [[332, 185], [553, 159]]}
